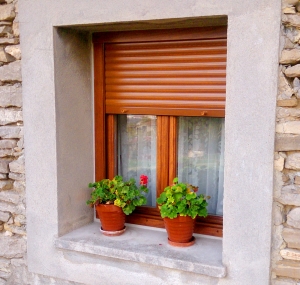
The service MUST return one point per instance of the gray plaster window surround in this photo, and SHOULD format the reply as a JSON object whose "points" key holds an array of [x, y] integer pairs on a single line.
{"points": [[57, 77]]}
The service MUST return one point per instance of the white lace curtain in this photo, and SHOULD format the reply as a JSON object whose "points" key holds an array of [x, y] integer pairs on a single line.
{"points": [[200, 154], [201, 157], [137, 150]]}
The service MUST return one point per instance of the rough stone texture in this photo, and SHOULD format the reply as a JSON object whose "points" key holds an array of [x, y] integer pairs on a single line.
{"points": [[297, 180], [4, 166], [288, 268], [278, 214], [291, 20], [288, 113], [11, 132], [10, 96], [293, 71], [279, 162], [293, 218], [8, 143], [286, 3], [18, 165], [290, 195], [287, 142], [289, 10], [293, 161], [8, 116], [4, 216], [10, 196], [290, 56], [14, 51], [285, 90], [7, 12], [292, 254], [292, 127], [291, 237], [6, 184], [11, 72], [12, 247], [287, 103]]}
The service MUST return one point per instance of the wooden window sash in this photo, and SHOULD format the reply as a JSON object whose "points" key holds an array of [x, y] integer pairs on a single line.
{"points": [[105, 125]]}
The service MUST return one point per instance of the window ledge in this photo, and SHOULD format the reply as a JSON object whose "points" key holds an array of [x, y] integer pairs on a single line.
{"points": [[148, 245]]}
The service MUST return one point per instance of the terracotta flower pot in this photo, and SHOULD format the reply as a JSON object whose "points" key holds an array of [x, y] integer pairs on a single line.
{"points": [[180, 230], [112, 217]]}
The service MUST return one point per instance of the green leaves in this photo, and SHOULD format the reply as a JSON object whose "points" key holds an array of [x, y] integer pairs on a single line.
{"points": [[124, 194], [181, 199]]}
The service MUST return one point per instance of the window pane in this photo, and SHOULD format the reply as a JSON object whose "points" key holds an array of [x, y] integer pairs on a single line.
{"points": [[137, 150], [201, 157]]}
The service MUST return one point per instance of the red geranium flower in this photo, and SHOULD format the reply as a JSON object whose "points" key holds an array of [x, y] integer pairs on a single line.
{"points": [[144, 180]]}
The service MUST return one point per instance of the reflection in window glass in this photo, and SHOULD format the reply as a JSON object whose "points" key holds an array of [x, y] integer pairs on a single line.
{"points": [[137, 150], [201, 157]]}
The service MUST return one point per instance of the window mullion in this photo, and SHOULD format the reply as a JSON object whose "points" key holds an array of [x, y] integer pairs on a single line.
{"points": [[163, 126], [172, 149]]}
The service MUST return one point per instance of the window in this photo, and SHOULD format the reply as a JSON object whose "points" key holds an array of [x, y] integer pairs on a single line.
{"points": [[159, 110]]}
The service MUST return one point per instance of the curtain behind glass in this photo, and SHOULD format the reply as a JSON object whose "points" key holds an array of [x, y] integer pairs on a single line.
{"points": [[137, 150], [201, 157]]}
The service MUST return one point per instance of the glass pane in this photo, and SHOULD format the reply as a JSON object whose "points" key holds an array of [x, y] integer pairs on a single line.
{"points": [[137, 150], [201, 157]]}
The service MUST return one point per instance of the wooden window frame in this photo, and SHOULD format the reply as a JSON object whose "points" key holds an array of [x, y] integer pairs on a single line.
{"points": [[105, 125]]}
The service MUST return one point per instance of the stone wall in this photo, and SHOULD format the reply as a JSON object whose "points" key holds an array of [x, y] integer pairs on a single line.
{"points": [[12, 177], [286, 234]]}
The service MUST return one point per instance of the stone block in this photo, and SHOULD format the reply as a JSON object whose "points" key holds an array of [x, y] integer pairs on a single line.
{"points": [[5, 57], [289, 195], [297, 180], [8, 41], [10, 96], [286, 3], [293, 218], [15, 229], [4, 166], [18, 165], [293, 161], [288, 268], [19, 220], [6, 184], [292, 254], [7, 12], [17, 176], [14, 209], [10, 196], [291, 20], [19, 186], [277, 240], [5, 29], [285, 91], [287, 142], [12, 247], [291, 127], [293, 71], [14, 51], [283, 282], [11, 72], [291, 237], [11, 132], [16, 29], [8, 116], [8, 143], [289, 10], [290, 56], [279, 162], [4, 216], [287, 102]]}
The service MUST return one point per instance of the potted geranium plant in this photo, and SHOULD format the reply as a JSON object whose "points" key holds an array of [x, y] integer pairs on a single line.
{"points": [[179, 205], [115, 198]]}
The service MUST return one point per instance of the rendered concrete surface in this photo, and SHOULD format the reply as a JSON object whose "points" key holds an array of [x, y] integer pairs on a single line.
{"points": [[58, 121], [150, 246]]}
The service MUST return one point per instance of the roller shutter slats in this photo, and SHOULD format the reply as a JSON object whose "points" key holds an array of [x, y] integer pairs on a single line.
{"points": [[175, 77]]}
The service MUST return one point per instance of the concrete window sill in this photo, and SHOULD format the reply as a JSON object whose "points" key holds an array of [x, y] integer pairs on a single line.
{"points": [[148, 245]]}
